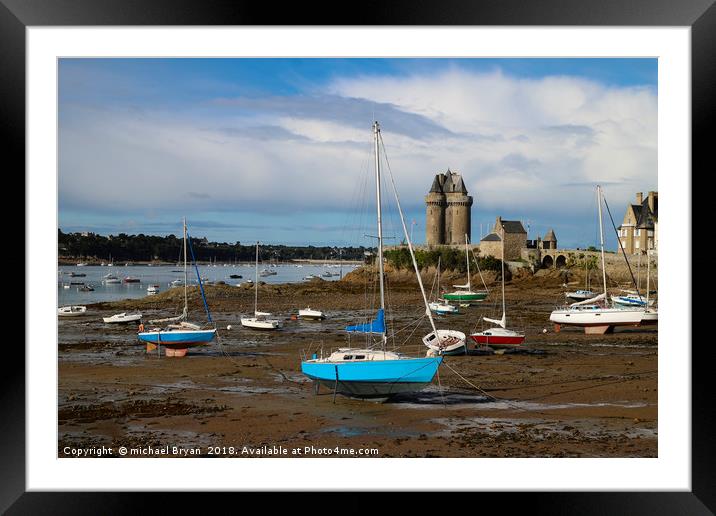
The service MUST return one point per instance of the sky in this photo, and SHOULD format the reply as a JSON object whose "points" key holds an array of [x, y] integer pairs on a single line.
{"points": [[280, 150]]}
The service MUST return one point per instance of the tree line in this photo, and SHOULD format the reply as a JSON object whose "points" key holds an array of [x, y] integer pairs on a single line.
{"points": [[450, 259], [141, 247]]}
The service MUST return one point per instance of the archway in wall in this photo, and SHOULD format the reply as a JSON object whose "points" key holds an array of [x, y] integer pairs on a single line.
{"points": [[547, 262], [561, 261]]}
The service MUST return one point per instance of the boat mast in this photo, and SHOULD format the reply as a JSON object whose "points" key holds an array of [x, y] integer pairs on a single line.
{"points": [[428, 312], [638, 272], [502, 259], [186, 302], [648, 272], [256, 281], [467, 260], [437, 295], [376, 130], [601, 243]]}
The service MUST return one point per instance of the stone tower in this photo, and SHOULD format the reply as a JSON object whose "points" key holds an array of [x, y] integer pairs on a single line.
{"points": [[435, 204], [448, 210]]}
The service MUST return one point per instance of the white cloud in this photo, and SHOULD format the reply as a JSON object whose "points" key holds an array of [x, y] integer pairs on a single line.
{"points": [[523, 145]]}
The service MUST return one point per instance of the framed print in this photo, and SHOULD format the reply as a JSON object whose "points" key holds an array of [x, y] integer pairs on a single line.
{"points": [[413, 252]]}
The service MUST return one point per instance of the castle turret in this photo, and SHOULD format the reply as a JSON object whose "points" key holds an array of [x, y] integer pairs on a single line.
{"points": [[550, 240], [458, 211], [435, 204]]}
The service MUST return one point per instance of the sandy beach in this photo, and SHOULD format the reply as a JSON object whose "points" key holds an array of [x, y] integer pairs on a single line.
{"points": [[565, 395]]}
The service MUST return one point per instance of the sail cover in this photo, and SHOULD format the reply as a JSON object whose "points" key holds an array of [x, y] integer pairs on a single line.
{"points": [[466, 285], [588, 301], [502, 322], [377, 325]]}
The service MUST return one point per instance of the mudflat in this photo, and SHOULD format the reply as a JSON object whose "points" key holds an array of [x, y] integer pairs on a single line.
{"points": [[564, 395]]}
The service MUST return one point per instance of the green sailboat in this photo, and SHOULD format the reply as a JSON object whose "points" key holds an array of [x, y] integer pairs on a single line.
{"points": [[465, 292]]}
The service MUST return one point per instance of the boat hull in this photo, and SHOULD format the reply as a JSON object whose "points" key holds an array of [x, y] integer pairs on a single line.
{"points": [[177, 338], [597, 322], [122, 320], [257, 324], [497, 341], [650, 317], [471, 296], [379, 379], [311, 315], [604, 317], [74, 312]]}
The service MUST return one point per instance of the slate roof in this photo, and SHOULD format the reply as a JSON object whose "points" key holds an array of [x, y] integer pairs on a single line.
{"points": [[550, 236], [437, 187], [513, 226], [645, 218], [449, 182], [492, 237]]}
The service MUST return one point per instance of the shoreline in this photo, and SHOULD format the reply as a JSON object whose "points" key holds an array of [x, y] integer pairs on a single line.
{"points": [[144, 263]]}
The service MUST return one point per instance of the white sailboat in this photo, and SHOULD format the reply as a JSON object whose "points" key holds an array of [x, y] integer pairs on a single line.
{"points": [[71, 311], [595, 315], [441, 306], [500, 336], [581, 295], [260, 320]]}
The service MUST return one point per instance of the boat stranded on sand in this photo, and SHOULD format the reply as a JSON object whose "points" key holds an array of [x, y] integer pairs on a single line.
{"points": [[179, 335], [465, 292], [500, 336], [122, 318], [595, 315], [71, 311], [260, 320], [311, 314]]}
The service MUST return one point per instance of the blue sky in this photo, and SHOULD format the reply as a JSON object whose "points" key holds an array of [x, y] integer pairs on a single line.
{"points": [[279, 149]]}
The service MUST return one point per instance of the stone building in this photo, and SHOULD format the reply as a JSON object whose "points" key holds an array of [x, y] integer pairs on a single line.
{"points": [[515, 240], [447, 210], [639, 231]]}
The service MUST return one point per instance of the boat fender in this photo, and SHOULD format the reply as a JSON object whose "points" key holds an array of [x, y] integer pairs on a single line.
{"points": [[141, 327]]}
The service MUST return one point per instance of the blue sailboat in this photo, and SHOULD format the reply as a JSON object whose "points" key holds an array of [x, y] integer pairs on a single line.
{"points": [[178, 335], [375, 373]]}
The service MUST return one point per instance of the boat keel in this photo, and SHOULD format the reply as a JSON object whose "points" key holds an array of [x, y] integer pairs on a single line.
{"points": [[598, 330]]}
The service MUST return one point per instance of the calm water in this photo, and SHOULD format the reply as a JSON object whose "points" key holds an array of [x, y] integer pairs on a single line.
{"points": [[164, 274]]}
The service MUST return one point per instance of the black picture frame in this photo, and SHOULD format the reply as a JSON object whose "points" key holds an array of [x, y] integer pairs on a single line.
{"points": [[700, 15]]}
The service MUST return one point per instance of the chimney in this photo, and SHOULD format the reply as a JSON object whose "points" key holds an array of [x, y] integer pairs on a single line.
{"points": [[652, 196], [639, 198]]}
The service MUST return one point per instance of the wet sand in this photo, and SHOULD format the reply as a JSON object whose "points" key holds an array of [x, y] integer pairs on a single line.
{"points": [[565, 395]]}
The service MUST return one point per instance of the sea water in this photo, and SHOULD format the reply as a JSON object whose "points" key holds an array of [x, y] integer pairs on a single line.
{"points": [[163, 275]]}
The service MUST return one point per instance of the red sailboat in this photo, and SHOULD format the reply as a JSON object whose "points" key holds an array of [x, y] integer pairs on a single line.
{"points": [[499, 336]]}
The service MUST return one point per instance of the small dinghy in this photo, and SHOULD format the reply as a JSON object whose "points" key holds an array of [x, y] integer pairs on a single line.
{"points": [[311, 314], [152, 290], [122, 318], [71, 311], [445, 342]]}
